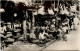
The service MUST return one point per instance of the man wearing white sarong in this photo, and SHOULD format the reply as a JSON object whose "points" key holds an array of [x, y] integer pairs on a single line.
{"points": [[76, 21], [2, 29], [64, 29]]}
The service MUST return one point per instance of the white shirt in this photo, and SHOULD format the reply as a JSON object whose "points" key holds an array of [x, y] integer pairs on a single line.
{"points": [[2, 29], [64, 28], [41, 36]]}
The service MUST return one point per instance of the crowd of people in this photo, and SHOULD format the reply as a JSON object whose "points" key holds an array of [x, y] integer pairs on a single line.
{"points": [[63, 19]]}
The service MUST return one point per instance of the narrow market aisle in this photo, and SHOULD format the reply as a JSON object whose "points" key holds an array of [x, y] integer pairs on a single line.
{"points": [[72, 43]]}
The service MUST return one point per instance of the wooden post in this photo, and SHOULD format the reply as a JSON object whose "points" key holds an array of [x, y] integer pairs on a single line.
{"points": [[57, 16], [32, 35], [58, 5], [24, 29], [54, 4], [33, 22]]}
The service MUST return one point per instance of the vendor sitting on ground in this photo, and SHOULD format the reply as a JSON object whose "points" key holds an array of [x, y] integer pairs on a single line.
{"points": [[42, 37], [60, 34], [64, 29], [46, 35]]}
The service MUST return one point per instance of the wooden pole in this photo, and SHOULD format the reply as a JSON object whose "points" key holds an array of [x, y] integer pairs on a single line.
{"points": [[24, 29], [33, 22], [57, 16], [54, 4], [58, 5]]}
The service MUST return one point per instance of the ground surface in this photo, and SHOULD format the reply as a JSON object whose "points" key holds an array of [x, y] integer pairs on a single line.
{"points": [[72, 43]]}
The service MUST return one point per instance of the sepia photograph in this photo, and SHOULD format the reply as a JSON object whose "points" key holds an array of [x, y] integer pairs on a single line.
{"points": [[39, 25]]}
